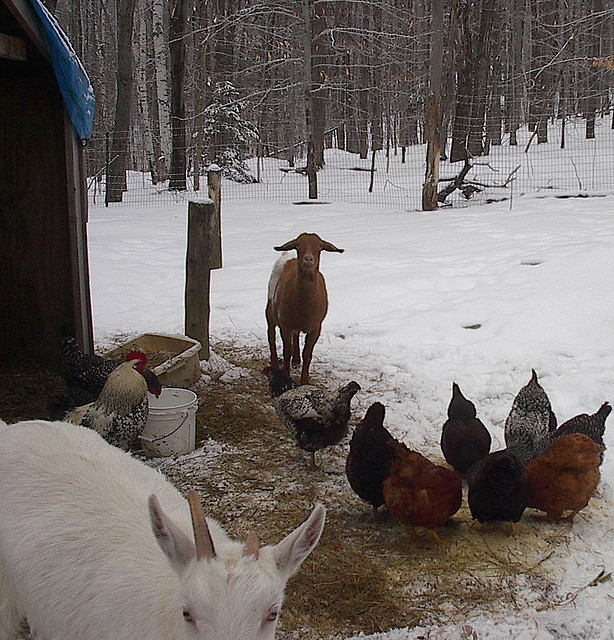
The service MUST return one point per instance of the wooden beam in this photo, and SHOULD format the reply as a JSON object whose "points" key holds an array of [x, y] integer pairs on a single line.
{"points": [[13, 48]]}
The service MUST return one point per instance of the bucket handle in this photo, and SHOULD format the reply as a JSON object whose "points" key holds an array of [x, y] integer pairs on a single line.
{"points": [[168, 435]]}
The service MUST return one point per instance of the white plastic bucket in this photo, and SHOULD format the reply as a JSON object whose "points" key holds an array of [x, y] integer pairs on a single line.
{"points": [[171, 423]]}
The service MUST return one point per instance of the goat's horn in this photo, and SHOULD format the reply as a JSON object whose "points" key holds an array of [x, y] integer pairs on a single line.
{"points": [[202, 535], [252, 545]]}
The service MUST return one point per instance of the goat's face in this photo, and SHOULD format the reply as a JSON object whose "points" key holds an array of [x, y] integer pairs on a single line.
{"points": [[232, 598], [308, 248], [227, 590]]}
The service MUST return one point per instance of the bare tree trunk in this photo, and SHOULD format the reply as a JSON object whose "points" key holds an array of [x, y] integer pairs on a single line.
{"points": [[514, 83], [142, 99], [116, 177], [162, 89], [178, 23], [431, 180], [312, 175], [376, 101], [319, 74], [363, 98], [480, 71], [464, 89], [448, 76], [593, 71], [493, 113], [433, 112], [544, 15]]}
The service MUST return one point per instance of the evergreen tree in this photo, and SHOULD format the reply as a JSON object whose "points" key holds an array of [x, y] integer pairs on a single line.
{"points": [[228, 136]]}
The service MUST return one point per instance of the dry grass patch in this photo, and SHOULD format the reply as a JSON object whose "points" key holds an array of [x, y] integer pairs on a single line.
{"points": [[366, 575]]}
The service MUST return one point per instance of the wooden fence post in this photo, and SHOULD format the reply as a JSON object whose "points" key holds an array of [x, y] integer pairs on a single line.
{"points": [[198, 273], [214, 178], [204, 253]]}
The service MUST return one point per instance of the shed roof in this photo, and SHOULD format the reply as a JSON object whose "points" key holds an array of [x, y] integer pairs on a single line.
{"points": [[71, 77]]}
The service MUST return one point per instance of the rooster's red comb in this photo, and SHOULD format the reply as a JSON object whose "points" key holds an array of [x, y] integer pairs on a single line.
{"points": [[137, 355]]}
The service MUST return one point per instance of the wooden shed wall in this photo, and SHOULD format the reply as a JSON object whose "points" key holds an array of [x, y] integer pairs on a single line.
{"points": [[36, 275]]}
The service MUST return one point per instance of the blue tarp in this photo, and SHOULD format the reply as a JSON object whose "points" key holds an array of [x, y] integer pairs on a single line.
{"points": [[72, 79]]}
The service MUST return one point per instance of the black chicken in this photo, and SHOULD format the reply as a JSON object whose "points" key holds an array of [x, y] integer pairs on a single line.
{"points": [[530, 422], [592, 426], [370, 456], [85, 373], [318, 418], [279, 381], [464, 438], [497, 488]]}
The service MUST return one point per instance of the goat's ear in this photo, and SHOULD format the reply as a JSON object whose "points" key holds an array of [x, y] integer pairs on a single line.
{"points": [[177, 547], [328, 246], [291, 244], [296, 546]]}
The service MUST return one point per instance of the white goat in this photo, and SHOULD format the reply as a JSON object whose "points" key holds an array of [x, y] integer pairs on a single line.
{"points": [[297, 300], [96, 545]]}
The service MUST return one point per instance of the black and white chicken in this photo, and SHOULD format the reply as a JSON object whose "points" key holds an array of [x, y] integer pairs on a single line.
{"points": [[370, 457], [84, 373], [530, 422], [120, 411], [316, 417], [592, 425], [464, 438]]}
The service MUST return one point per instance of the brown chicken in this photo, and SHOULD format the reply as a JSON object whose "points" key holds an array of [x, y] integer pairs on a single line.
{"points": [[419, 493], [565, 476]]}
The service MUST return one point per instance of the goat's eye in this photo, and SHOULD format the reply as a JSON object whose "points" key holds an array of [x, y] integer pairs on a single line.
{"points": [[187, 616], [273, 614]]}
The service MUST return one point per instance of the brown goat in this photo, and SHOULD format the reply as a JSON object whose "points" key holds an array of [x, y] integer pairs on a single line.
{"points": [[298, 300]]}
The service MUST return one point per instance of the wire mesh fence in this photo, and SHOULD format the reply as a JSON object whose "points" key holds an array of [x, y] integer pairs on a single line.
{"points": [[393, 177]]}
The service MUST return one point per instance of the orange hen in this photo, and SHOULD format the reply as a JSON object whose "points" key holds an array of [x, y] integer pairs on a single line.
{"points": [[419, 493], [565, 476]]}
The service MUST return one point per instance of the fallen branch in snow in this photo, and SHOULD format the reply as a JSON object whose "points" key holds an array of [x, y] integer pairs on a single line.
{"points": [[456, 182], [503, 185], [469, 187]]}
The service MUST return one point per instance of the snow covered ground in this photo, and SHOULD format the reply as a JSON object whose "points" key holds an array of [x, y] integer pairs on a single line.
{"points": [[479, 295]]}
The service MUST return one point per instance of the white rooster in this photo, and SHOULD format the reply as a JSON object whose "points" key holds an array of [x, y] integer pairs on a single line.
{"points": [[120, 411]]}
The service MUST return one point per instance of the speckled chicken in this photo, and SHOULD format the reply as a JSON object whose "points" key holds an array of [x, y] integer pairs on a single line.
{"points": [[370, 457], [464, 438], [592, 425], [564, 478], [120, 411], [530, 422], [318, 418], [420, 493], [497, 488]]}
